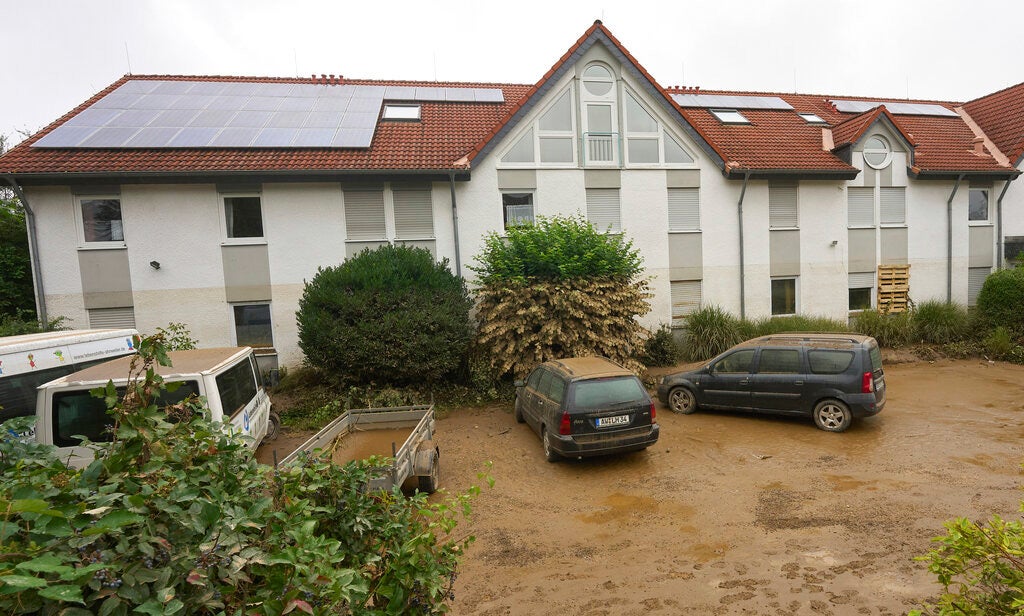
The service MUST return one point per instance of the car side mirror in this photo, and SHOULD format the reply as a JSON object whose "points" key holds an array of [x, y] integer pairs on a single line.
{"points": [[519, 383]]}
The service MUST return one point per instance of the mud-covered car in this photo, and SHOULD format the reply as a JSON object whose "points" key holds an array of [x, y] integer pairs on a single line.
{"points": [[830, 377], [586, 406]]}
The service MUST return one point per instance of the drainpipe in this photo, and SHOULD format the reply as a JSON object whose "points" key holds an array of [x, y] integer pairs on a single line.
{"points": [[999, 224], [949, 240], [455, 223], [33, 250], [739, 213]]}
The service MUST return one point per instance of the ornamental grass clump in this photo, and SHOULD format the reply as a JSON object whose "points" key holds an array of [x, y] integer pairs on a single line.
{"points": [[559, 288]]}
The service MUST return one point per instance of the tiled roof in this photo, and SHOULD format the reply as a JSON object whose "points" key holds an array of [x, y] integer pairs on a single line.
{"points": [[1001, 116], [444, 134]]}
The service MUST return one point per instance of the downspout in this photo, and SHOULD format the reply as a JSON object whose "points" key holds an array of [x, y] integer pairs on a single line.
{"points": [[455, 223], [33, 250], [949, 240], [999, 224], [739, 213]]}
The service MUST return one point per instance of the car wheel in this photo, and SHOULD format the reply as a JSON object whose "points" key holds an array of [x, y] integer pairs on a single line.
{"points": [[549, 454], [832, 415], [273, 428], [682, 400], [519, 413]]}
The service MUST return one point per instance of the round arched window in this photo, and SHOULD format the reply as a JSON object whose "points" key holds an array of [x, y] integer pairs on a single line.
{"points": [[877, 153], [598, 80]]}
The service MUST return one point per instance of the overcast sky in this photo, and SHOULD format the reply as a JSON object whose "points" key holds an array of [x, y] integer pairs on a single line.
{"points": [[59, 53]]}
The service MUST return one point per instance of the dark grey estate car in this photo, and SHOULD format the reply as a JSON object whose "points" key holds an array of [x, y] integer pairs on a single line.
{"points": [[586, 406], [831, 377]]}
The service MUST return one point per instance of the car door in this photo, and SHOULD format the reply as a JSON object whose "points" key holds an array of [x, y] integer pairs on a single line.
{"points": [[546, 406], [778, 384], [528, 397], [727, 384]]}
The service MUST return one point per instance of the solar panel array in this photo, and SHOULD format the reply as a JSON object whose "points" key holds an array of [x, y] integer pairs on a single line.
{"points": [[923, 109], [722, 101], [232, 114]]}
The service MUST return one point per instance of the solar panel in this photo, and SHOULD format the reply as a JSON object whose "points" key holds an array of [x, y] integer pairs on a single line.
{"points": [[724, 101], [896, 108], [194, 114]]}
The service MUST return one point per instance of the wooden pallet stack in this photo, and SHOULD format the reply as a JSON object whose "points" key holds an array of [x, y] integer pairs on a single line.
{"points": [[893, 288]]}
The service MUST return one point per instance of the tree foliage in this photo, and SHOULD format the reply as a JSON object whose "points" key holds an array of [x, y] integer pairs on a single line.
{"points": [[559, 289], [390, 315], [17, 299], [175, 517]]}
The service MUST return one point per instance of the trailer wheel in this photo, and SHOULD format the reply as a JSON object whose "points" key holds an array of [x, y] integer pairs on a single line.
{"points": [[429, 482]]}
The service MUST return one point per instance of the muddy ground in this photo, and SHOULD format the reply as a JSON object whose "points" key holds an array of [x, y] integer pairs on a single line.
{"points": [[735, 514]]}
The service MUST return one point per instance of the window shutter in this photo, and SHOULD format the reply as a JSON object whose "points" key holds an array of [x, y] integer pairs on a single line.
{"points": [[860, 206], [603, 209], [782, 212], [112, 318], [414, 213], [684, 209], [893, 206], [862, 280], [686, 298], [975, 279], [364, 214]]}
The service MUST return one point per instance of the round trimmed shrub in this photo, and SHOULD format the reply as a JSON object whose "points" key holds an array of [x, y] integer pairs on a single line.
{"points": [[1001, 298], [391, 315]]}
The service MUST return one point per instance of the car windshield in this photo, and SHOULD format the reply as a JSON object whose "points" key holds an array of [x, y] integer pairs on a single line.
{"points": [[609, 391]]}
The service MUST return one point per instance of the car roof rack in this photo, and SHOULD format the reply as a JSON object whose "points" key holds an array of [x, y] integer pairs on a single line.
{"points": [[812, 337]]}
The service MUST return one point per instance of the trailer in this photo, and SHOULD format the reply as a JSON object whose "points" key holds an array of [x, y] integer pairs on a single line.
{"points": [[405, 434]]}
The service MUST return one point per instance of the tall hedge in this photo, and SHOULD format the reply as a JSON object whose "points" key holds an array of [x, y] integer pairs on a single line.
{"points": [[559, 288], [391, 315], [1001, 300]]}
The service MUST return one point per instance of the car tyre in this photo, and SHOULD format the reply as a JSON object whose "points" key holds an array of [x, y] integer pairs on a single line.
{"points": [[549, 453], [832, 415], [681, 400], [273, 427], [519, 413]]}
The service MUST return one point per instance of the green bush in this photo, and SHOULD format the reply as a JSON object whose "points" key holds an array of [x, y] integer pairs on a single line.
{"points": [[391, 315], [795, 323], [999, 343], [891, 330], [1001, 300], [177, 518], [661, 348], [940, 323], [709, 331], [25, 324]]}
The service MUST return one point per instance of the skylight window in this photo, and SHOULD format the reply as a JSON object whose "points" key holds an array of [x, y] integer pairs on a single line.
{"points": [[812, 118], [730, 116], [402, 112]]}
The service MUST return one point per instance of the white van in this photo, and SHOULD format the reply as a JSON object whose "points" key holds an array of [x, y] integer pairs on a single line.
{"points": [[28, 361], [227, 377]]}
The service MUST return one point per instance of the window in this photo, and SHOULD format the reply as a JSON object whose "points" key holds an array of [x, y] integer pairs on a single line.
{"points": [[517, 208], [414, 212], [783, 296], [601, 393], [598, 80], [975, 280], [554, 388], [812, 118], [237, 386], [643, 146], [674, 153], [861, 286], [243, 217], [112, 318], [779, 361], [684, 209], [402, 112], [829, 361], [686, 299], [877, 153], [252, 325], [364, 214], [729, 116], [556, 132], [101, 220], [603, 209], [80, 413], [782, 206], [738, 362], [860, 206], [893, 209], [977, 210]]}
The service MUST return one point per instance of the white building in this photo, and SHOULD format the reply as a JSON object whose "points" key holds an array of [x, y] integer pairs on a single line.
{"points": [[210, 201]]}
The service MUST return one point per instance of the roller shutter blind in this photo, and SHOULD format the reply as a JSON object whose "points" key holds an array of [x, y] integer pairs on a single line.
{"points": [[893, 206], [603, 209], [112, 318], [782, 208], [364, 214], [684, 209], [860, 206], [975, 280], [414, 213], [862, 280], [686, 298]]}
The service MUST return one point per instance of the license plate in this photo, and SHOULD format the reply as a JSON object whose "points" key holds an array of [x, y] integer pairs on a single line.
{"points": [[618, 420]]}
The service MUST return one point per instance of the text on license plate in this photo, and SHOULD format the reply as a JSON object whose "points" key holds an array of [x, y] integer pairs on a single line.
{"points": [[618, 420]]}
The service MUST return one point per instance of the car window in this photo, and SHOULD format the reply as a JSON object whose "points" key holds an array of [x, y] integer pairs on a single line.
{"points": [[545, 383], [779, 361], [237, 386], [610, 391], [876, 358], [829, 362], [739, 361], [554, 388], [534, 381]]}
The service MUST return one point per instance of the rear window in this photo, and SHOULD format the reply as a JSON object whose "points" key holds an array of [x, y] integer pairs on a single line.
{"points": [[80, 413], [609, 391], [829, 362], [876, 358], [237, 386]]}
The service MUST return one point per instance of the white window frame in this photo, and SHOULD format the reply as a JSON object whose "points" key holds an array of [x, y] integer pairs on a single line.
{"points": [[988, 198], [394, 112], [616, 226], [511, 191], [234, 324], [631, 134], [812, 118], [892, 225], [784, 186], [887, 150], [730, 116], [796, 296], [239, 241], [679, 192], [538, 134], [80, 223], [872, 292]]}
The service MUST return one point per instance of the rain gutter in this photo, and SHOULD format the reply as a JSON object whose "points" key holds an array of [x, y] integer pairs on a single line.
{"points": [[739, 213], [455, 223], [949, 239], [999, 223]]}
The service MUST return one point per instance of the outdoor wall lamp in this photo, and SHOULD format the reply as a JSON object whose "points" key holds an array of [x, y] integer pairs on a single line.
{"points": [[154, 264]]}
